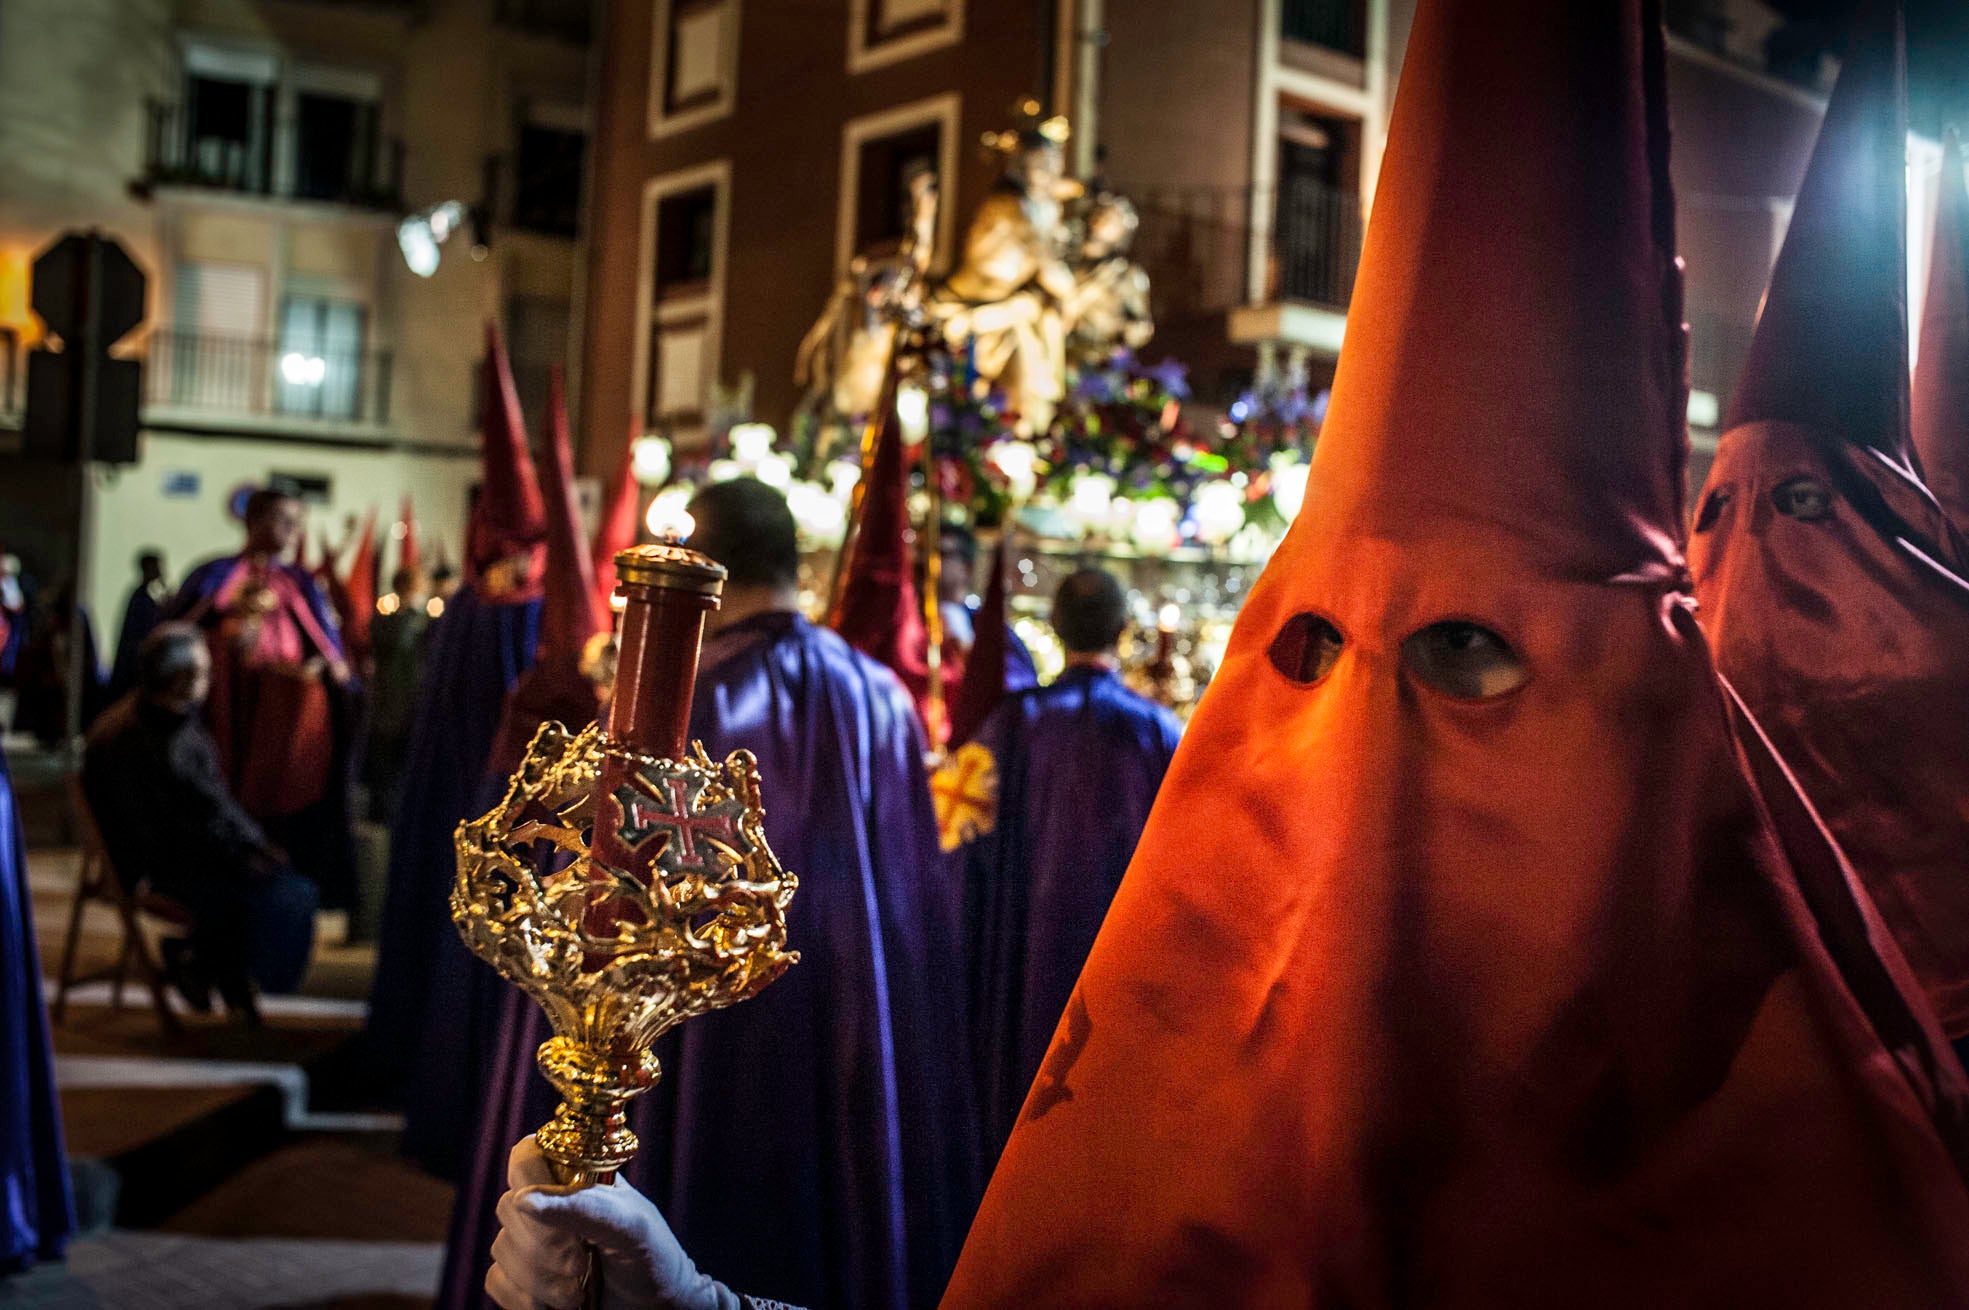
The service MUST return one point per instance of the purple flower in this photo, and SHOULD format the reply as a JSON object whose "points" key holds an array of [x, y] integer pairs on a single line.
{"points": [[1095, 388], [1172, 376]]}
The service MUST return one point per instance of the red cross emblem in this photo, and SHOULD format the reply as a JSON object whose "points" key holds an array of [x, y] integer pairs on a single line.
{"points": [[965, 793], [667, 803]]}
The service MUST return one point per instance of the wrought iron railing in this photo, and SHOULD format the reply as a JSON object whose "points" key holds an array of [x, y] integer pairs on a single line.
{"points": [[177, 154], [1196, 245], [1336, 24], [248, 377]]}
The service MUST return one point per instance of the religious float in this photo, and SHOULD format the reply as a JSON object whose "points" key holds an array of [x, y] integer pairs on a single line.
{"points": [[1019, 385]]}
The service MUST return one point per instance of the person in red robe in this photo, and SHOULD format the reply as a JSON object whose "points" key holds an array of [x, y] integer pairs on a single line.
{"points": [[1940, 408], [1831, 582], [1477, 951], [279, 707]]}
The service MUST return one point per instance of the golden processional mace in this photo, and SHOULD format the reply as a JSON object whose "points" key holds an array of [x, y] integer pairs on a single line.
{"points": [[624, 882]]}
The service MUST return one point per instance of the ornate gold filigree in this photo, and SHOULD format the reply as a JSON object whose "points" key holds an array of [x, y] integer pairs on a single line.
{"points": [[616, 957]]}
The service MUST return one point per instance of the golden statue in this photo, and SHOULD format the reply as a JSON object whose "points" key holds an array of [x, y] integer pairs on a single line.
{"points": [[1025, 298], [1109, 303]]}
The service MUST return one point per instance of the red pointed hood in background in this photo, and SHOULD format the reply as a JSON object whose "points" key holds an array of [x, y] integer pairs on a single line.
{"points": [[1460, 963], [359, 590], [555, 687], [408, 555], [620, 525], [983, 683], [1941, 372], [1828, 575], [878, 611], [509, 517]]}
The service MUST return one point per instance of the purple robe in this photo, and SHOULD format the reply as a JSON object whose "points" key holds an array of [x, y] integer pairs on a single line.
{"points": [[37, 1213], [1078, 763], [815, 1144], [421, 1038]]}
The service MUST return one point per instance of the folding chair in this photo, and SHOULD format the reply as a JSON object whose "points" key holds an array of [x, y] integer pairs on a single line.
{"points": [[99, 884]]}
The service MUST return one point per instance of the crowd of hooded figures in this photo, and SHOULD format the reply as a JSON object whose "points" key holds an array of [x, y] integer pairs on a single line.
{"points": [[1559, 897]]}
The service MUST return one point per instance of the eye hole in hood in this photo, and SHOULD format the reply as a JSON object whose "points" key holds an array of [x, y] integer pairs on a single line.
{"points": [[1465, 660], [1712, 508], [1306, 649], [1806, 499]]}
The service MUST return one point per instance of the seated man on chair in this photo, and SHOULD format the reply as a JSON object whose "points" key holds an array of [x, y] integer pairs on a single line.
{"points": [[151, 773]]}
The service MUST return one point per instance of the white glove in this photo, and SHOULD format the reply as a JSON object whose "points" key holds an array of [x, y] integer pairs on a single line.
{"points": [[540, 1258]]}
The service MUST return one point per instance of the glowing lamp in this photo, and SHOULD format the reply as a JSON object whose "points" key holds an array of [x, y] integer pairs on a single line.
{"points": [[913, 411], [1289, 488], [1156, 524], [752, 441], [649, 460], [1089, 498], [1218, 510]]}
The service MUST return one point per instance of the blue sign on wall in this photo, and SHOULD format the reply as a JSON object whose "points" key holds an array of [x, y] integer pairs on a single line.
{"points": [[181, 483]]}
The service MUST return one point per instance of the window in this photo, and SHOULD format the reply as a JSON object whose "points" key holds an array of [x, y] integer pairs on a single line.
{"points": [[884, 31], [684, 216], [694, 65], [882, 156], [888, 167], [1317, 227], [251, 121], [227, 124], [1339, 25], [547, 183], [334, 146], [210, 358], [318, 359], [685, 233]]}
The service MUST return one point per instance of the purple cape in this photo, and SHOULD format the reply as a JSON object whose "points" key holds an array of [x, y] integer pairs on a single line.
{"points": [[418, 1034], [1078, 763], [37, 1213], [816, 1144], [202, 584]]}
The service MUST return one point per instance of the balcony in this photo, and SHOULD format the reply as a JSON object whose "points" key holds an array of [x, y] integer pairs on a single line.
{"points": [[355, 167], [563, 20], [247, 383], [1196, 245]]}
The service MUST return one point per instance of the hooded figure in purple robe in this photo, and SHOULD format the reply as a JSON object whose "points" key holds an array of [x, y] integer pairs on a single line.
{"points": [[1040, 812], [37, 1214], [479, 646], [465, 1020], [833, 1112]]}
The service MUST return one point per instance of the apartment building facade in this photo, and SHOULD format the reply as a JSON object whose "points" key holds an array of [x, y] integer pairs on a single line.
{"points": [[746, 152], [257, 157]]}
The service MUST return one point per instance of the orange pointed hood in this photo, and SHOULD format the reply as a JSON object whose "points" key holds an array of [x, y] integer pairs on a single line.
{"points": [[621, 524], [509, 519], [556, 688], [1941, 372], [1830, 579], [1461, 962]]}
